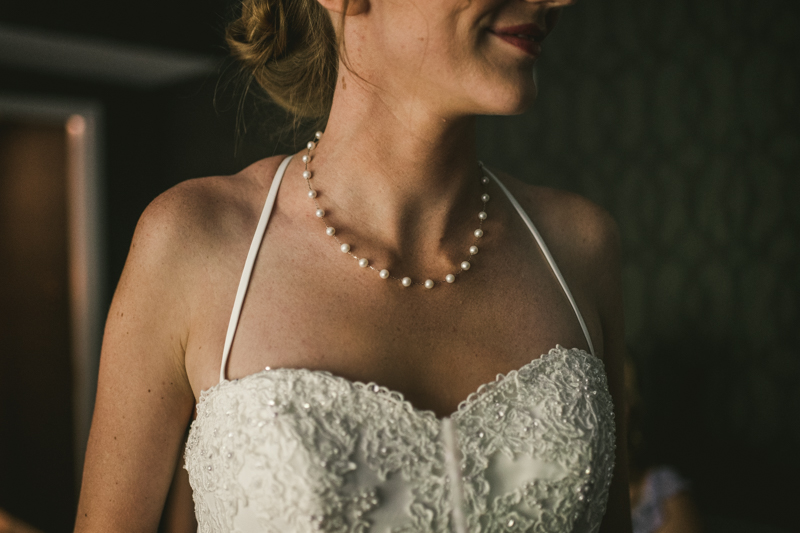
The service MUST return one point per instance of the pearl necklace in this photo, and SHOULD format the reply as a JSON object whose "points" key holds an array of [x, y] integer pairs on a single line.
{"points": [[363, 262]]}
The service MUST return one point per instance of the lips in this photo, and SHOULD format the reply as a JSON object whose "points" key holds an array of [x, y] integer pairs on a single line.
{"points": [[526, 37]]}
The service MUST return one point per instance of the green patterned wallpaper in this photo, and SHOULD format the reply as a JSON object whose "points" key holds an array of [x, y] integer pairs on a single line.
{"points": [[681, 118]]}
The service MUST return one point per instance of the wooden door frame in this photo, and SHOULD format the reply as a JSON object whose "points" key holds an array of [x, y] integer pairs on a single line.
{"points": [[86, 257]]}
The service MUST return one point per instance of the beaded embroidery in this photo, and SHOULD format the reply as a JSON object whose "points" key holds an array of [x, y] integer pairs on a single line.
{"points": [[293, 450]]}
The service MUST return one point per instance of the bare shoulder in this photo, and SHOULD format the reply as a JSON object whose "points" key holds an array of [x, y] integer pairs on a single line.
{"points": [[198, 209], [182, 246], [570, 223], [200, 216]]}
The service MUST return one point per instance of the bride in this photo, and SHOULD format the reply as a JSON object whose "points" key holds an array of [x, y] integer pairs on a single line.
{"points": [[341, 318]]}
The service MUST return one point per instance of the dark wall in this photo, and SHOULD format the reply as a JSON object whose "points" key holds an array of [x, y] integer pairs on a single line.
{"points": [[682, 118], [186, 25], [37, 476]]}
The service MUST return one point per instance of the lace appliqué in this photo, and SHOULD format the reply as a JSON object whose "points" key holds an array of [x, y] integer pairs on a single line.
{"points": [[554, 419], [293, 450]]}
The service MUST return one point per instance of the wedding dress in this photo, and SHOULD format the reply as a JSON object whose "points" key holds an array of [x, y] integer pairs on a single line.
{"points": [[294, 450]]}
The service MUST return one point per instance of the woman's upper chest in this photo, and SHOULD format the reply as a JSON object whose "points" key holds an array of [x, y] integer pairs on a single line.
{"points": [[307, 308]]}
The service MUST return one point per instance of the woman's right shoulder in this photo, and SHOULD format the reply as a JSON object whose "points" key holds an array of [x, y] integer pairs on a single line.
{"points": [[171, 280], [203, 216]]}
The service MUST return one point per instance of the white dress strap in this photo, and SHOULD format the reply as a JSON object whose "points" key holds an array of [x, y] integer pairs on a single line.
{"points": [[547, 255], [244, 282]]}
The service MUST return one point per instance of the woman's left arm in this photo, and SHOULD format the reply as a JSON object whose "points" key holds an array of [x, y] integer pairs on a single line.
{"points": [[608, 282]]}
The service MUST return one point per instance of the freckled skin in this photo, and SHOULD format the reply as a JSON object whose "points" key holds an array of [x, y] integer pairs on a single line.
{"points": [[397, 174]]}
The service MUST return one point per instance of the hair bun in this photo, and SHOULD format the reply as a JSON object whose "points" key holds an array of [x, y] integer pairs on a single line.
{"points": [[257, 31], [290, 49]]}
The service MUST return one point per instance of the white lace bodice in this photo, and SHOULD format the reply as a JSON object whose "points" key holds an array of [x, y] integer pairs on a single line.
{"points": [[295, 450], [292, 450]]}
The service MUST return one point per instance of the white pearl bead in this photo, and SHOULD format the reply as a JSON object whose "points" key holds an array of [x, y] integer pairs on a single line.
{"points": [[482, 215], [320, 213], [473, 250], [312, 194], [330, 230], [406, 282], [318, 135], [429, 283], [479, 232], [306, 174], [485, 180], [310, 145], [345, 247], [465, 265], [306, 158], [363, 262], [485, 197], [449, 278], [384, 274]]}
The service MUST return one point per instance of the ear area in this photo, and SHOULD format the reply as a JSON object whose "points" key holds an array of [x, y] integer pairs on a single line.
{"points": [[352, 7]]}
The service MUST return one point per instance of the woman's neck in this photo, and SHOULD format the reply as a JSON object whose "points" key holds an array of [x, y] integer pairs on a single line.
{"points": [[399, 173]]}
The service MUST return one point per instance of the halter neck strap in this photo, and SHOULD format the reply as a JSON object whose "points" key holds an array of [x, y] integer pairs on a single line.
{"points": [[244, 282], [252, 254], [547, 255]]}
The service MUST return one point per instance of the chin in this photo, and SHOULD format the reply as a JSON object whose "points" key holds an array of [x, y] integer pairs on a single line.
{"points": [[511, 100]]}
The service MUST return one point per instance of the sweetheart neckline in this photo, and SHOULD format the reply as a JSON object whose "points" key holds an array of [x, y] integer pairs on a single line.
{"points": [[464, 405]]}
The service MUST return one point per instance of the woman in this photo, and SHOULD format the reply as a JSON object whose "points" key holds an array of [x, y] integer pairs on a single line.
{"points": [[341, 404]]}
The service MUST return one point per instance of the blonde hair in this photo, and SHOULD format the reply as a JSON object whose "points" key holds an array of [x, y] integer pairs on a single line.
{"points": [[290, 48]]}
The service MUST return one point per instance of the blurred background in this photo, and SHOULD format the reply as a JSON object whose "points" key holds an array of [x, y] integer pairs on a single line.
{"points": [[681, 118]]}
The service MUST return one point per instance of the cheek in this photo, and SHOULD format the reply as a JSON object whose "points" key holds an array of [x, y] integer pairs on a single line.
{"points": [[464, 71], [433, 55], [476, 75], [504, 92], [499, 82], [403, 45]]}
